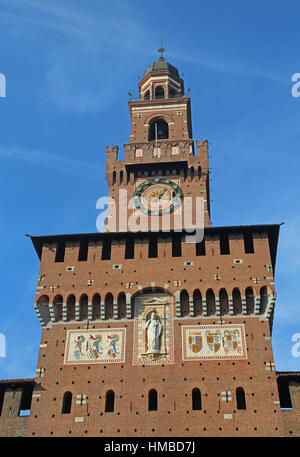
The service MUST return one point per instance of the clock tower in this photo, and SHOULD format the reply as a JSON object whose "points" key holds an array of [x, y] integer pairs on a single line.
{"points": [[162, 175], [145, 333]]}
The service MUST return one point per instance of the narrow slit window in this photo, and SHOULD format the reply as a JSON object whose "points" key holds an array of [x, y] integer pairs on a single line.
{"points": [[83, 250], [224, 244], [152, 400], [200, 247], [110, 401], [152, 252], [176, 246], [60, 252], [129, 248], [248, 243], [106, 249]]}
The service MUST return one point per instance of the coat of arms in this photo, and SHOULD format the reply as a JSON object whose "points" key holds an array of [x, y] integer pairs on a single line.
{"points": [[232, 341], [195, 342], [213, 340]]}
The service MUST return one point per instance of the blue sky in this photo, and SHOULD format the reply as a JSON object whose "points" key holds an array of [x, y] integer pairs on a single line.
{"points": [[68, 68]]}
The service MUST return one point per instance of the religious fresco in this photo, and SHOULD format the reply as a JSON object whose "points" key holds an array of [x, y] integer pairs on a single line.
{"points": [[95, 346], [153, 330], [219, 342]]}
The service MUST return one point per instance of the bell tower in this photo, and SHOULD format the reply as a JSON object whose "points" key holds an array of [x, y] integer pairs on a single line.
{"points": [[145, 333], [163, 168]]}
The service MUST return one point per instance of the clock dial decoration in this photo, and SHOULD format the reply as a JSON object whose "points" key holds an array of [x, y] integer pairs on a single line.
{"points": [[157, 196]]}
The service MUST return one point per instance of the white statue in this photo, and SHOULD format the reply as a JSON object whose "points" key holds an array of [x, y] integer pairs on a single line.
{"points": [[154, 329]]}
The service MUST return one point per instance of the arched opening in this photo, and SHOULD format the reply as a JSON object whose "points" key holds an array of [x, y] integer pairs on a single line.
{"points": [[109, 306], [263, 299], [109, 401], [192, 173], [83, 307], [122, 306], [147, 95], [152, 400], [237, 301], [66, 403], [172, 92], [159, 92], [71, 307], [121, 177], [57, 307], [224, 304], [240, 398], [196, 399], [210, 302], [43, 307], [199, 173], [114, 178], [184, 303], [197, 301], [158, 129], [96, 306], [250, 300]]}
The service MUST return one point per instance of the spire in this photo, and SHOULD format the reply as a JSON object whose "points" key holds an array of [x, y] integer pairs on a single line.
{"points": [[161, 50], [161, 57]]}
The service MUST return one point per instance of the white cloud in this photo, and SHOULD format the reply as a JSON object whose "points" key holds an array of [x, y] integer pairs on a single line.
{"points": [[44, 158]]}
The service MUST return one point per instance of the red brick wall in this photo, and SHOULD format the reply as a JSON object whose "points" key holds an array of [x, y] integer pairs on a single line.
{"points": [[174, 383]]}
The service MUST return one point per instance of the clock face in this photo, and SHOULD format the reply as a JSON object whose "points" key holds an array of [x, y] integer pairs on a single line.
{"points": [[157, 196]]}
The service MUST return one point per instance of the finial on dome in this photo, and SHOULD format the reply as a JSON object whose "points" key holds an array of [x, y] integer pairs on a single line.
{"points": [[161, 50]]}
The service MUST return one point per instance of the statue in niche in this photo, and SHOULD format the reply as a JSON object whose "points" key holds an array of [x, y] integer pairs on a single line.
{"points": [[154, 330]]}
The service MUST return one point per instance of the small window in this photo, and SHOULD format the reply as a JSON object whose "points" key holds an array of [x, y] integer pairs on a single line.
{"points": [[172, 92], [110, 401], [196, 399], [240, 398], [159, 92], [152, 400], [67, 403], [147, 95]]}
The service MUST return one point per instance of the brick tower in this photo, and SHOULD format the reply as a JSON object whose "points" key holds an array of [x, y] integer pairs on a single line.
{"points": [[144, 333]]}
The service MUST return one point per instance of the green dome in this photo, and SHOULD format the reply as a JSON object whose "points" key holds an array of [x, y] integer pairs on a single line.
{"points": [[159, 66]]}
